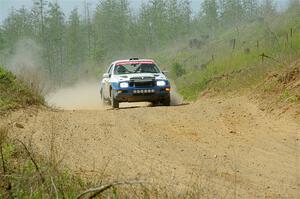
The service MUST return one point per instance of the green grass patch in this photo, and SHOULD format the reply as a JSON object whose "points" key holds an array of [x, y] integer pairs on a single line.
{"points": [[15, 94]]}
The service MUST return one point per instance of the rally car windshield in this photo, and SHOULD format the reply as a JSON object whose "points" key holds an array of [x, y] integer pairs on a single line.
{"points": [[122, 69]]}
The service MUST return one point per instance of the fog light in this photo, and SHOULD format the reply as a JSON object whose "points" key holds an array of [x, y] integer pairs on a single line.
{"points": [[168, 89]]}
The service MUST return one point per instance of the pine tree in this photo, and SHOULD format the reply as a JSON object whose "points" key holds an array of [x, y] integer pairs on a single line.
{"points": [[16, 26], [111, 23], [268, 8], [210, 14], [55, 43], [157, 20], [294, 4], [173, 18], [185, 16], [250, 8], [38, 12], [231, 12], [74, 44]]}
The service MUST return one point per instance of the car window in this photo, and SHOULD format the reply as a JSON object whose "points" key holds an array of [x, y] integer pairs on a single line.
{"points": [[110, 69], [135, 68]]}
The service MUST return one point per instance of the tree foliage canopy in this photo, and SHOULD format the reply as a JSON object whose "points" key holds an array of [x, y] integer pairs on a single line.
{"points": [[112, 30]]}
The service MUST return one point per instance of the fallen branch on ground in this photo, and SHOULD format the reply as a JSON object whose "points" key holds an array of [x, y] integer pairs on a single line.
{"points": [[32, 159], [263, 55], [55, 189], [96, 191]]}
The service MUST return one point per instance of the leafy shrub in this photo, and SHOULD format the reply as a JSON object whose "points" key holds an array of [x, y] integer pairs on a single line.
{"points": [[178, 69]]}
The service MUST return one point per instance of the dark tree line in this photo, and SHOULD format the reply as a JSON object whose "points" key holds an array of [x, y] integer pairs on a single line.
{"points": [[113, 30]]}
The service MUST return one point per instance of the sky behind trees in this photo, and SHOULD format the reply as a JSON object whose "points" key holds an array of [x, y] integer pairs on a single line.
{"points": [[68, 5]]}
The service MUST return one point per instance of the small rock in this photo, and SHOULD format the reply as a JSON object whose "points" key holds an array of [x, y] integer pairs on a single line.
{"points": [[18, 125], [215, 156], [232, 132]]}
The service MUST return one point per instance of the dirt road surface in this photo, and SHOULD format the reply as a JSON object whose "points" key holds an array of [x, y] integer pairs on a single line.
{"points": [[225, 146]]}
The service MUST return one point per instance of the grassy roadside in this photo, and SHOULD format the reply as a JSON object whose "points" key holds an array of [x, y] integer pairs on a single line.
{"points": [[25, 174], [236, 59], [15, 94]]}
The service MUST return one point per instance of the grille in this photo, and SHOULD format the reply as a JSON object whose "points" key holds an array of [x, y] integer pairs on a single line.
{"points": [[142, 79], [142, 84]]}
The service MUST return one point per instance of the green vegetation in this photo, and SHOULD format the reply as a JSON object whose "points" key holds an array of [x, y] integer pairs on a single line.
{"points": [[78, 44], [178, 69], [14, 94], [239, 57], [25, 175]]}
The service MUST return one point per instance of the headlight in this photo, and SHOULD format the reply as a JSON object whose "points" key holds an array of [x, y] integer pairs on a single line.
{"points": [[160, 83], [124, 85]]}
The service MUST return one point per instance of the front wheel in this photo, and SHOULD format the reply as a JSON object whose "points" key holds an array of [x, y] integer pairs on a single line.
{"points": [[166, 102], [114, 102], [155, 103]]}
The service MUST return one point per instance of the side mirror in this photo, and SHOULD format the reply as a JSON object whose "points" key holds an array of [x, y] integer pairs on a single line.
{"points": [[106, 75], [165, 72]]}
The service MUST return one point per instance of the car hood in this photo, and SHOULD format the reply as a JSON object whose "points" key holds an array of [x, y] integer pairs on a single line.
{"points": [[127, 77]]}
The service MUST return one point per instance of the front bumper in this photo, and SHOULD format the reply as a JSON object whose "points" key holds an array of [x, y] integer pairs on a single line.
{"points": [[142, 94]]}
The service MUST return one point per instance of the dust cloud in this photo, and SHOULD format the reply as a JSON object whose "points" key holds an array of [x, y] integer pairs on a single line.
{"points": [[26, 63], [83, 95], [26, 56], [176, 98]]}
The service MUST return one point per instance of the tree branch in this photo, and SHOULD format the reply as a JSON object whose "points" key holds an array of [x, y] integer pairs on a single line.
{"points": [[32, 159], [103, 188]]}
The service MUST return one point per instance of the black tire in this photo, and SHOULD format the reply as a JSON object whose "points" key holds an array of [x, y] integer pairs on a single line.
{"points": [[155, 103], [102, 98], [114, 102], [167, 102], [104, 102]]}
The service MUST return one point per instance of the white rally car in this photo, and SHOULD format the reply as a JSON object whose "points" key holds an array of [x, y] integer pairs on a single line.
{"points": [[135, 80]]}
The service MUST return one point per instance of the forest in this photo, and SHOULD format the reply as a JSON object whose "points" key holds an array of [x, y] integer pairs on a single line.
{"points": [[84, 42]]}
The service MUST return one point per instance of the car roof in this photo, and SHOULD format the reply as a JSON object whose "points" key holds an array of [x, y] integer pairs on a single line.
{"points": [[130, 60]]}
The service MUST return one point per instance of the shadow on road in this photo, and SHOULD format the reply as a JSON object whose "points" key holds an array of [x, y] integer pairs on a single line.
{"points": [[142, 105]]}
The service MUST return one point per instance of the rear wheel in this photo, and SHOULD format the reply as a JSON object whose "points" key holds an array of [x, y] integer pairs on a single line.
{"points": [[103, 100]]}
